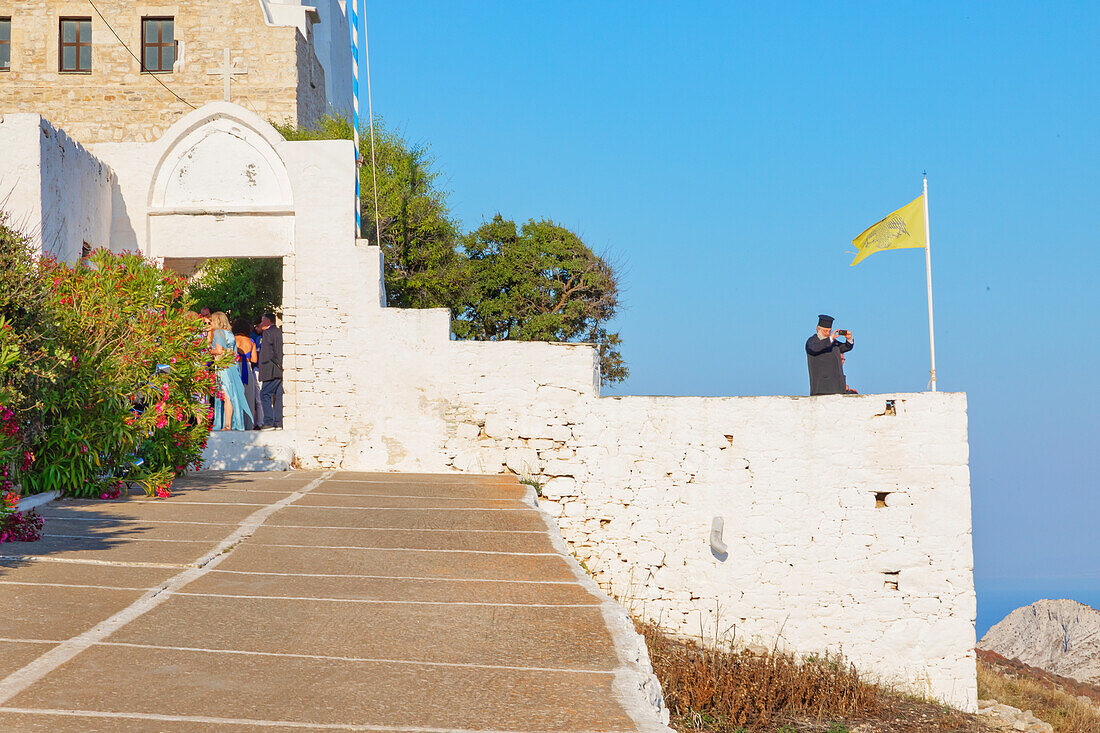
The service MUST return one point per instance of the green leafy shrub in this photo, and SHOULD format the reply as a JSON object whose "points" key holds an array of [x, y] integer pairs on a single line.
{"points": [[131, 399], [27, 367]]}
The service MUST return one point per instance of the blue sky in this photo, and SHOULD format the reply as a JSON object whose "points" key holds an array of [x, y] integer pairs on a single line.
{"points": [[727, 153]]}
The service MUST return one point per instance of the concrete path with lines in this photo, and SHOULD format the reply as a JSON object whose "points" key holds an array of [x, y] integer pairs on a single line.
{"points": [[313, 601]]}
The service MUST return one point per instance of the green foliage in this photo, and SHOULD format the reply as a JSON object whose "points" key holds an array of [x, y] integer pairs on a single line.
{"points": [[25, 361], [540, 284], [103, 375], [424, 268], [133, 363], [245, 288], [27, 364], [328, 127]]}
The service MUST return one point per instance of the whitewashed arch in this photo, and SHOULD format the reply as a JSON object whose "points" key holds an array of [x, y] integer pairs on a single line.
{"points": [[220, 188]]}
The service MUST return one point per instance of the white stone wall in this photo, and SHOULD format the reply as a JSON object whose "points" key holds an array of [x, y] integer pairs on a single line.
{"points": [[847, 523], [52, 188], [813, 564], [847, 529]]}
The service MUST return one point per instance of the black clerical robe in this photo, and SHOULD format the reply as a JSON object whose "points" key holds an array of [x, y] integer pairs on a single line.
{"points": [[823, 360]]}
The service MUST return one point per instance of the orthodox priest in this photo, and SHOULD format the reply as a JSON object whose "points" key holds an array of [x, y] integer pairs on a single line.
{"points": [[823, 357]]}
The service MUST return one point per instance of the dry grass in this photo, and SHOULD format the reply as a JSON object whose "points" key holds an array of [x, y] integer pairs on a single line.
{"points": [[1012, 684], [719, 690], [722, 691]]}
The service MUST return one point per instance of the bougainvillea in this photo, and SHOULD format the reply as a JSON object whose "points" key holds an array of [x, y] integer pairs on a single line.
{"points": [[17, 526], [129, 400], [14, 524]]}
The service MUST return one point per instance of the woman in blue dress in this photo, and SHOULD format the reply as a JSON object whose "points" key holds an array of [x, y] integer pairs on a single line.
{"points": [[231, 405]]}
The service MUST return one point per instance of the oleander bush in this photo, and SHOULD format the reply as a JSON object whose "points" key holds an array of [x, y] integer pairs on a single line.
{"points": [[23, 367], [104, 371]]}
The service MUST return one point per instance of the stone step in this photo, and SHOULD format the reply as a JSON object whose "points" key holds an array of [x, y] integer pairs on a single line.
{"points": [[314, 601], [248, 450]]}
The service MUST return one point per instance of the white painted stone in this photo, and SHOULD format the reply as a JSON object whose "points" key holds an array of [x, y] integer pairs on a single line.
{"points": [[521, 461], [573, 509], [556, 488], [467, 431]]}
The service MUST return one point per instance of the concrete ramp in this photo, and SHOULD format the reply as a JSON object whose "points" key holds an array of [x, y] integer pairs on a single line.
{"points": [[316, 601]]}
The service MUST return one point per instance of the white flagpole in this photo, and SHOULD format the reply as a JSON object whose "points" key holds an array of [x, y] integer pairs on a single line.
{"points": [[928, 273]]}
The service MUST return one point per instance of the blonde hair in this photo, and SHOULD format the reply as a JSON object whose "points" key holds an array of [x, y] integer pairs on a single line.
{"points": [[219, 320]]}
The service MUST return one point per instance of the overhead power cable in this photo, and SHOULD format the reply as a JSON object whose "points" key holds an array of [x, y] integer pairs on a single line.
{"points": [[140, 65]]}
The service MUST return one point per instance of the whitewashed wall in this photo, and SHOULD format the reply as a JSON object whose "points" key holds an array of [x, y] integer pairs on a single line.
{"points": [[814, 561], [53, 188]]}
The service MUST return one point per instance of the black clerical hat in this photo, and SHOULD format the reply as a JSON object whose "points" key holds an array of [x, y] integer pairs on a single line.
{"points": [[824, 321]]}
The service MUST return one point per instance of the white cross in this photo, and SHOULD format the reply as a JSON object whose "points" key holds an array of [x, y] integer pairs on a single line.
{"points": [[227, 72]]}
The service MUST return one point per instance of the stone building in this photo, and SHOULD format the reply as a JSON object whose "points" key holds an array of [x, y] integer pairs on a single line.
{"points": [[125, 70]]}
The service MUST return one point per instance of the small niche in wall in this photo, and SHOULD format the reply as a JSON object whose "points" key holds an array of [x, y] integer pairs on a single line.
{"points": [[891, 580], [880, 499]]}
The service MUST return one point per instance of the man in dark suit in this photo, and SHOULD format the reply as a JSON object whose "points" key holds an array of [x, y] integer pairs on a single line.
{"points": [[825, 358], [271, 372]]}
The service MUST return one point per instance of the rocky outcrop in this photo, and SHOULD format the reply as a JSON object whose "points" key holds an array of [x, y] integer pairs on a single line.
{"points": [[1006, 717], [1060, 636]]}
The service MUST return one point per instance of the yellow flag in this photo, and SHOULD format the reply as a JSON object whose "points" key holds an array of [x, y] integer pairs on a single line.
{"points": [[903, 229]]}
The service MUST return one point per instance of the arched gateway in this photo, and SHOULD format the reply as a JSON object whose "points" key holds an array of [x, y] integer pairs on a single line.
{"points": [[222, 182], [220, 189]]}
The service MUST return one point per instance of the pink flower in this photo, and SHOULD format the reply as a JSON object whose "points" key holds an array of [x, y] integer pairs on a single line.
{"points": [[163, 492]]}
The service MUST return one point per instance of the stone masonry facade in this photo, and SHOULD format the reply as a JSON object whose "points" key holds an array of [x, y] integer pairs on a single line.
{"points": [[117, 102]]}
